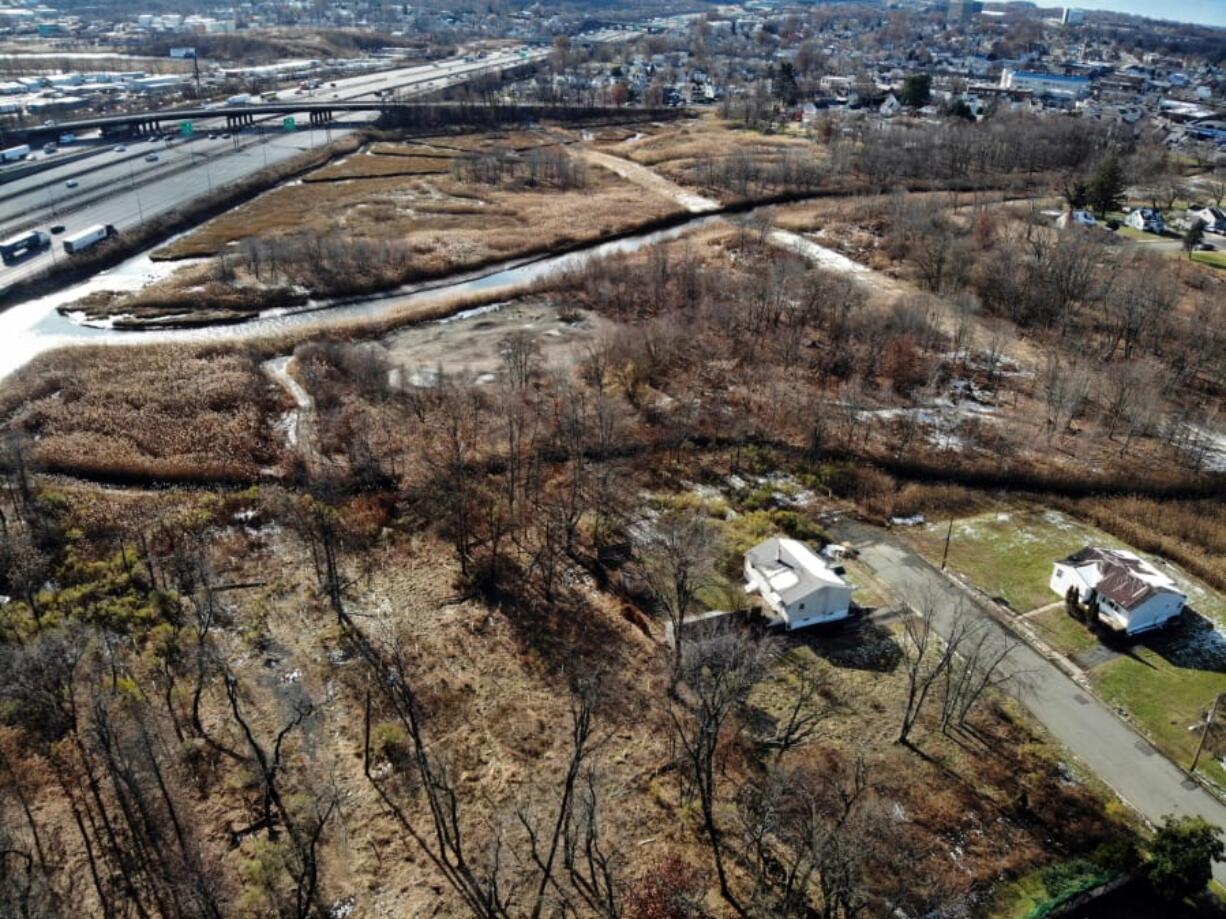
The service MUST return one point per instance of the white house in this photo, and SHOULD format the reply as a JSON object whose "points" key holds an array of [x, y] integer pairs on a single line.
{"points": [[1146, 219], [798, 585], [1132, 595], [1076, 219], [891, 106], [1214, 218]]}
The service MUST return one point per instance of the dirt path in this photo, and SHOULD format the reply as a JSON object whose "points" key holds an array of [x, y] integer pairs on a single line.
{"points": [[824, 258], [300, 430], [650, 180], [836, 262]]}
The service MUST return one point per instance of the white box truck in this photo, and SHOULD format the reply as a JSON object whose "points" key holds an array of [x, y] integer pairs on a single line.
{"points": [[91, 236], [12, 154], [240, 99]]}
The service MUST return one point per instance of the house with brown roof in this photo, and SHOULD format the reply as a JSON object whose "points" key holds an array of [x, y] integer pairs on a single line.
{"points": [[1130, 595]]}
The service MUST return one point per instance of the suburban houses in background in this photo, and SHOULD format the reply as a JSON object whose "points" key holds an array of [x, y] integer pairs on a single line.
{"points": [[1129, 594]]}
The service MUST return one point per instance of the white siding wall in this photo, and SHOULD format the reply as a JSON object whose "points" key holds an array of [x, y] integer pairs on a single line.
{"points": [[826, 604], [1156, 610]]}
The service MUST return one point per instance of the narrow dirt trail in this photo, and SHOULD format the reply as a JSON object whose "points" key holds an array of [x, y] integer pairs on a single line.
{"points": [[650, 180], [300, 432], [836, 262], [822, 257]]}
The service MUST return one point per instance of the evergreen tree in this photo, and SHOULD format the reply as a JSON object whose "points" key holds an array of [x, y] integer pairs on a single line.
{"points": [[1106, 190], [916, 90]]}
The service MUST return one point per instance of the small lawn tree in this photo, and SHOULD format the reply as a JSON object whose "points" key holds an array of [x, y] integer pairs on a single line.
{"points": [[1193, 236], [1182, 855]]}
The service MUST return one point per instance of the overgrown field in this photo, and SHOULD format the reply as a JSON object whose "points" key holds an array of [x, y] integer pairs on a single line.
{"points": [[132, 414]]}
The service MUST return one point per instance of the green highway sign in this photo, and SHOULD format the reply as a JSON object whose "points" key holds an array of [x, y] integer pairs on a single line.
{"points": [[186, 128], [289, 124]]}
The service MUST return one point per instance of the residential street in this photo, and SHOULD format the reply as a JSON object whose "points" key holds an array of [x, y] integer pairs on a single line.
{"points": [[1118, 755]]}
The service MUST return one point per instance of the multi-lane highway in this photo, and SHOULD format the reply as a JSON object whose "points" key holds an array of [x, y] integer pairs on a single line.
{"points": [[126, 187]]}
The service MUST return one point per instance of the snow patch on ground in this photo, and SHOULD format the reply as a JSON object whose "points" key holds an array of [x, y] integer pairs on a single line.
{"points": [[823, 258]]}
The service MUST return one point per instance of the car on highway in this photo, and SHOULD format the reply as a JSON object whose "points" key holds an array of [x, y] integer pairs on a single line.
{"points": [[71, 183], [119, 149], [151, 158], [211, 137], [225, 137], [57, 229]]}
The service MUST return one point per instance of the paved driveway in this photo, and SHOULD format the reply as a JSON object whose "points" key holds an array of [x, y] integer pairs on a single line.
{"points": [[1117, 754]]}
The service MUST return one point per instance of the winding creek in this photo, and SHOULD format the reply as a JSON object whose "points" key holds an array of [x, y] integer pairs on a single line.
{"points": [[35, 326]]}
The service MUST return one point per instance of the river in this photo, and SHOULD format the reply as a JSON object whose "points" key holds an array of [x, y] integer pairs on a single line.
{"points": [[34, 326]]}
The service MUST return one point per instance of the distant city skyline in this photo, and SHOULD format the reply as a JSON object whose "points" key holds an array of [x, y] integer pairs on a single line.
{"points": [[1204, 12]]}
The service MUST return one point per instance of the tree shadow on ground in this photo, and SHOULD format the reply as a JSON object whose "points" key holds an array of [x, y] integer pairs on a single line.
{"points": [[1194, 643], [853, 644]]}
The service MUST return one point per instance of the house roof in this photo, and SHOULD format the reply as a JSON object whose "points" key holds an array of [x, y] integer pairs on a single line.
{"points": [[1121, 576], [791, 568]]}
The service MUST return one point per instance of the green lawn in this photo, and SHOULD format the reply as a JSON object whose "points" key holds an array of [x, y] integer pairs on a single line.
{"points": [[1132, 233], [1164, 682], [1009, 554], [1213, 259], [1062, 632], [1164, 699]]}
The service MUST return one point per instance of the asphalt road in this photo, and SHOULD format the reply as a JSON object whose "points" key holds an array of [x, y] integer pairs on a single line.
{"points": [[1088, 729], [124, 189]]}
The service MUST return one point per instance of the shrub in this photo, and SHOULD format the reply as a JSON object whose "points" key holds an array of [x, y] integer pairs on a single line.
{"points": [[1182, 854], [390, 741]]}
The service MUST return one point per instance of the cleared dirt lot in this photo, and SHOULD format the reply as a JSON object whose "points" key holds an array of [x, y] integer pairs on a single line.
{"points": [[469, 345]]}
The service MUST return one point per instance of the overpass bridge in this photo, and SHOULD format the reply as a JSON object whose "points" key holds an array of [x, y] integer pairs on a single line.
{"points": [[236, 116], [391, 112]]}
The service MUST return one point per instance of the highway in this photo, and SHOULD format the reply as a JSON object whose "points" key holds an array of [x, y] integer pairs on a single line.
{"points": [[126, 188]]}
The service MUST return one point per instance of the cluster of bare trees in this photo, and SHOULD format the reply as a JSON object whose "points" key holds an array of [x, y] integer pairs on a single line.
{"points": [[334, 264], [746, 173], [551, 167], [984, 151], [952, 664]]}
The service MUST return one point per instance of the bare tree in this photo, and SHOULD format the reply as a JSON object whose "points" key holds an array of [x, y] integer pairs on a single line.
{"points": [[520, 357], [678, 559], [718, 671], [927, 656]]}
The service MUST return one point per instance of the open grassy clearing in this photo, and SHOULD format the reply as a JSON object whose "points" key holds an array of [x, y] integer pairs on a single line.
{"points": [[1165, 682], [446, 223], [700, 153], [708, 136], [1166, 695], [410, 218], [1062, 632], [1009, 553], [1212, 259]]}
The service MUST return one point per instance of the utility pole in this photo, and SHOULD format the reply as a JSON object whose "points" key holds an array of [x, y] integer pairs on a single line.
{"points": [[948, 535], [1204, 735]]}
